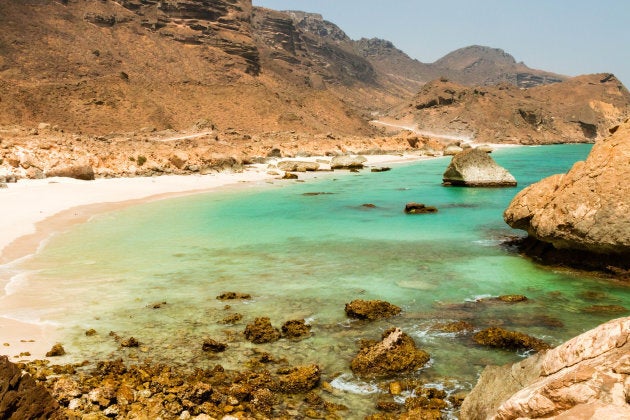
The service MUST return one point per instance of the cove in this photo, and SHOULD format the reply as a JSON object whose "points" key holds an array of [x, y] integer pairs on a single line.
{"points": [[303, 250]]}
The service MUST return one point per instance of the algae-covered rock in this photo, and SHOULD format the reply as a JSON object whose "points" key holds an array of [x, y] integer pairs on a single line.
{"points": [[233, 295], [371, 309], [509, 340], [56, 350], [261, 331], [297, 379], [394, 354], [296, 328]]}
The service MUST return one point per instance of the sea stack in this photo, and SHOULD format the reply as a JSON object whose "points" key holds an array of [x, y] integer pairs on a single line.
{"points": [[475, 168], [582, 216]]}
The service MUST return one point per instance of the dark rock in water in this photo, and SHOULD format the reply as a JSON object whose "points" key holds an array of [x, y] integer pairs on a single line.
{"points": [[289, 175], [474, 168], [419, 208], [91, 332], [233, 295], [308, 194], [22, 398], [297, 379], [296, 328], [509, 340], [453, 327], [368, 205], [56, 350], [261, 331], [383, 169], [355, 170], [213, 346], [371, 309], [157, 305], [83, 172], [605, 309], [394, 354], [231, 319], [129, 342], [512, 298]]}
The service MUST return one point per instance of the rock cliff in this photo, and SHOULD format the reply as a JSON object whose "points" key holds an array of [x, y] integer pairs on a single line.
{"points": [[585, 378], [585, 212]]}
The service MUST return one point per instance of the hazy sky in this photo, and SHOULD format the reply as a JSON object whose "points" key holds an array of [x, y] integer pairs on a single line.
{"points": [[569, 37]]}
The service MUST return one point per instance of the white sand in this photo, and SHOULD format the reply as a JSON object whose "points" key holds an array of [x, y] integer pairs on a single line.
{"points": [[33, 210]]}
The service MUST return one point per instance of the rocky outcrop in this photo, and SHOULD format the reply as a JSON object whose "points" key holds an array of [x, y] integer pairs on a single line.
{"points": [[509, 340], [83, 172], [347, 162], [583, 215], [474, 168], [396, 353], [261, 331], [585, 378], [297, 166], [22, 398], [371, 309]]}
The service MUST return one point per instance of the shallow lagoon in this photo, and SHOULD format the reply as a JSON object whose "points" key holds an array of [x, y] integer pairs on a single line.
{"points": [[304, 255]]}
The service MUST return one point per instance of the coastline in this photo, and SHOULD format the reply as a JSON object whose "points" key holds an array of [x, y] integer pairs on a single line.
{"points": [[35, 210]]}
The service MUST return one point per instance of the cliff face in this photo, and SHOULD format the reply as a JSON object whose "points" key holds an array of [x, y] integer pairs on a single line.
{"points": [[586, 209], [584, 378], [580, 109]]}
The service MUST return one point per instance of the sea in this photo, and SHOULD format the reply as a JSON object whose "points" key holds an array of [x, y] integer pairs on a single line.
{"points": [[302, 250]]}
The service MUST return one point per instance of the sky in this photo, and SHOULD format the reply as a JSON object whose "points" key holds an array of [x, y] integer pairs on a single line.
{"points": [[569, 37]]}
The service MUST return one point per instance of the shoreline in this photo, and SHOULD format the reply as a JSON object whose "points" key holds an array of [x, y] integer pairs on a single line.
{"points": [[36, 210]]}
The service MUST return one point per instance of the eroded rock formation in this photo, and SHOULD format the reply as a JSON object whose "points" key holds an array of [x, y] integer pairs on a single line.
{"points": [[585, 378], [474, 168], [583, 215]]}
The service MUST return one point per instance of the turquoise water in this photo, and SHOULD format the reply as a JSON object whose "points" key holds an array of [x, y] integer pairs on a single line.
{"points": [[305, 256]]}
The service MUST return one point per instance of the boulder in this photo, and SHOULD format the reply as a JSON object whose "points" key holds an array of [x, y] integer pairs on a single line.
{"points": [[83, 172], [371, 309], [419, 208], [396, 353], [213, 346], [581, 217], [297, 166], [585, 378], [475, 168], [347, 162], [56, 350], [296, 328], [289, 175], [297, 379], [509, 340], [22, 398], [261, 331]]}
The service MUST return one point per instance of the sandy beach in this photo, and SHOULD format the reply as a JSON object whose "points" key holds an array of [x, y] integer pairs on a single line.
{"points": [[34, 210]]}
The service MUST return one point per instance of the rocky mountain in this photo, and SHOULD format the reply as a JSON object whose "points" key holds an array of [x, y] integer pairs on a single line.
{"points": [[580, 109], [583, 216], [119, 65]]}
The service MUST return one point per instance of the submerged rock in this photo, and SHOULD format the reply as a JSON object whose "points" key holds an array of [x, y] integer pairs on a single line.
{"points": [[371, 309], [261, 331], [509, 340], [396, 353], [213, 346], [419, 208], [454, 327], [586, 377], [233, 295], [475, 168], [296, 328], [583, 216]]}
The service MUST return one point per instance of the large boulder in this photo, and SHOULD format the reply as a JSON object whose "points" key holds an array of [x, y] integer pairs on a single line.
{"points": [[84, 172], [21, 397], [348, 162], [585, 378], [587, 209], [297, 166], [396, 353], [371, 309], [475, 168]]}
